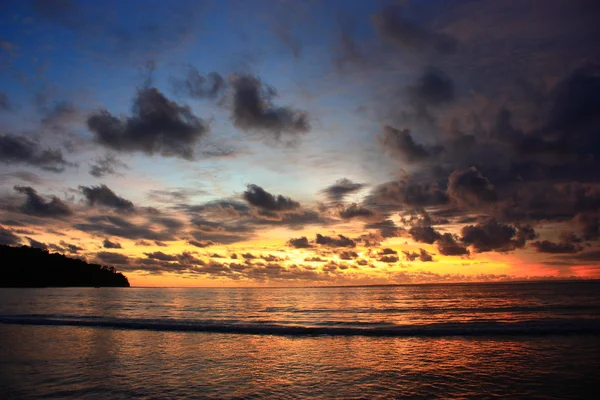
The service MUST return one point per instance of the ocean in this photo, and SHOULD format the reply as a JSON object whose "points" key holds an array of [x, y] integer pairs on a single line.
{"points": [[497, 340]]}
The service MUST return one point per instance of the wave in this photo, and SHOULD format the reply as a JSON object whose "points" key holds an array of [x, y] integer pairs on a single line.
{"points": [[579, 308], [543, 327]]}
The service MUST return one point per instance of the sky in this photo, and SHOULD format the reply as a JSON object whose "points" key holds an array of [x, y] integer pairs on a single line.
{"points": [[289, 143]]}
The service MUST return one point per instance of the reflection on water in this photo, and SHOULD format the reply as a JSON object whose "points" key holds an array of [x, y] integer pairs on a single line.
{"points": [[38, 361], [406, 305], [103, 363]]}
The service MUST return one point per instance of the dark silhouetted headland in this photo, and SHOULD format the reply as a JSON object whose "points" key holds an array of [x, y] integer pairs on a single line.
{"points": [[29, 267]]}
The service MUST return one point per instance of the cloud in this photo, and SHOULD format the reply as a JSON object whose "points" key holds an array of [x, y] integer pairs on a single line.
{"points": [[107, 244], [590, 225], [340, 241], [111, 225], [425, 256], [342, 188], [469, 187], [356, 211], [7, 237], [201, 244], [196, 86], [347, 255], [174, 195], [386, 228], [433, 88], [253, 109], [258, 197], [107, 165], [387, 251], [37, 206], [568, 243], [493, 236], [5, 104], [157, 126], [393, 24], [589, 256], [70, 248], [103, 196], [112, 258], [300, 243], [36, 244], [448, 245], [388, 259], [21, 150], [409, 194], [401, 144], [159, 255], [424, 234], [60, 115]]}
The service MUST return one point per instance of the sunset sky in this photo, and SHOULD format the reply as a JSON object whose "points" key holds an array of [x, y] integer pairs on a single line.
{"points": [[244, 143]]}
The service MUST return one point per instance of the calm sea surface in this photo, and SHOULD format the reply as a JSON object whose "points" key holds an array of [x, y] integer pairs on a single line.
{"points": [[533, 340]]}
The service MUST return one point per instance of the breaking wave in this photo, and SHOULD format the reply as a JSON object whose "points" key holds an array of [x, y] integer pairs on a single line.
{"points": [[576, 326]]}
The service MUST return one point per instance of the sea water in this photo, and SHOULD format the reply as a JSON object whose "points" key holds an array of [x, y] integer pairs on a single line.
{"points": [[507, 340]]}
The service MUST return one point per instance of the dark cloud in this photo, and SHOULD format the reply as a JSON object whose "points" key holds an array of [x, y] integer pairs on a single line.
{"points": [[60, 115], [388, 259], [407, 194], [590, 225], [425, 256], [546, 246], [342, 188], [107, 244], [258, 197], [589, 256], [111, 225], [253, 109], [448, 245], [386, 228], [36, 205], [433, 88], [387, 251], [36, 244], [167, 222], [174, 195], [27, 176], [21, 150], [157, 126], [356, 211], [107, 165], [401, 144], [424, 234], [471, 188], [340, 241], [201, 244], [159, 255], [271, 258], [493, 236], [314, 259], [300, 243], [196, 86], [394, 24], [112, 258], [70, 248], [347, 255], [7, 237], [5, 104], [102, 195]]}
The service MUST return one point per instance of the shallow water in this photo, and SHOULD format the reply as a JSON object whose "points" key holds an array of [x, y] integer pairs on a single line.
{"points": [[94, 349]]}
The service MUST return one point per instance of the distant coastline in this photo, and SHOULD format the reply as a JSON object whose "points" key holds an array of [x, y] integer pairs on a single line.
{"points": [[26, 267]]}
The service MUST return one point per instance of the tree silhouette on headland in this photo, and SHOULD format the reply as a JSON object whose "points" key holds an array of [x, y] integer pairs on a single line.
{"points": [[30, 267]]}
